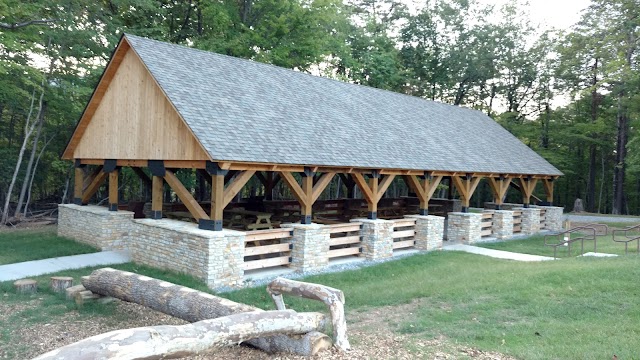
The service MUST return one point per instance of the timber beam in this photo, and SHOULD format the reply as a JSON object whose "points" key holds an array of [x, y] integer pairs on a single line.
{"points": [[548, 189], [269, 180], [527, 185], [221, 196], [466, 186], [112, 169], [308, 193], [423, 188], [78, 182], [158, 171], [499, 187], [372, 190]]}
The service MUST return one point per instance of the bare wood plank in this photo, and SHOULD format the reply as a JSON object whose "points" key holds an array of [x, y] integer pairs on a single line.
{"points": [[338, 228], [185, 196], [344, 240], [398, 223], [403, 233], [403, 244], [266, 249], [217, 196], [265, 263], [486, 232], [78, 183], [269, 234], [113, 187], [344, 252]]}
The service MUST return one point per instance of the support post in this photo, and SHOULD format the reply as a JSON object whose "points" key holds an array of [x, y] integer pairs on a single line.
{"points": [[113, 190], [423, 189], [373, 190], [527, 185], [78, 183], [158, 171], [308, 193], [499, 187], [466, 186], [548, 189]]}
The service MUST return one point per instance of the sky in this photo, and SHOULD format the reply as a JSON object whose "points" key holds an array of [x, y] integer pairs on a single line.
{"points": [[559, 14]]}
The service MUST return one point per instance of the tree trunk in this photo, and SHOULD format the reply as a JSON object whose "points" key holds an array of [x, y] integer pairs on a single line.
{"points": [[167, 342], [28, 130], [32, 157], [621, 154], [33, 175], [333, 298], [192, 306]]}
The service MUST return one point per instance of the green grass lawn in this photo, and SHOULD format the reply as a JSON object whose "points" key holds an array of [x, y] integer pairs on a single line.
{"points": [[576, 308], [25, 245]]}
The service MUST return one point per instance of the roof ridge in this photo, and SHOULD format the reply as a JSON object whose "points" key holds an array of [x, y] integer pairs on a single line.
{"points": [[280, 68]]}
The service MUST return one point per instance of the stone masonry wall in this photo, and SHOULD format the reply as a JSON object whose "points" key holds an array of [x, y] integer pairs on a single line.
{"points": [[530, 221], [553, 220], [310, 247], [215, 257], [464, 228], [95, 225], [502, 224], [377, 242], [429, 232]]}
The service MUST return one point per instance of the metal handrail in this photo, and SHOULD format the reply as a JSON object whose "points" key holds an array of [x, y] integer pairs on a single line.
{"points": [[561, 242], [627, 237]]}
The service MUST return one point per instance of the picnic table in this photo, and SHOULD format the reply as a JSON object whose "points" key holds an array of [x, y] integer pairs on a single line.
{"points": [[249, 220]]}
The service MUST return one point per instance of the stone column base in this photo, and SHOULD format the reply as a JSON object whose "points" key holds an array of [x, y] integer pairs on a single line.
{"points": [[377, 242], [554, 218], [429, 232], [502, 224], [310, 247], [465, 228], [530, 221], [95, 225]]}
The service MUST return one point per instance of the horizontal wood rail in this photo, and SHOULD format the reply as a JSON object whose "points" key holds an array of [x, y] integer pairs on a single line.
{"points": [[404, 233], [345, 239], [486, 224], [517, 221], [267, 248]]}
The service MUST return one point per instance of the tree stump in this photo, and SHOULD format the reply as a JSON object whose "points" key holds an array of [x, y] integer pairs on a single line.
{"points": [[60, 283], [26, 286], [72, 291]]}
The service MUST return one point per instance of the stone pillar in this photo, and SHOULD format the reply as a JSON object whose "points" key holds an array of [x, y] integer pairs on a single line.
{"points": [[464, 228], [310, 247], [502, 224], [95, 225], [215, 257], [429, 232], [554, 218], [377, 242], [530, 221]]}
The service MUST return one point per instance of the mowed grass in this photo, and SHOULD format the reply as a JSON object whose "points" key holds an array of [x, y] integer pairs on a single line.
{"points": [[583, 308], [25, 245]]}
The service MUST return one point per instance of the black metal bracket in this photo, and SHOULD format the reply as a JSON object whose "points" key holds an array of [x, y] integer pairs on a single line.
{"points": [[156, 167], [305, 219], [156, 214], [78, 164], [206, 224], [307, 172], [214, 169], [113, 207], [372, 215], [110, 165], [375, 174], [424, 212], [498, 207], [290, 246], [465, 209], [77, 201]]}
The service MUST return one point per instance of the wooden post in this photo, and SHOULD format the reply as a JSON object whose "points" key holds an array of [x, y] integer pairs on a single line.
{"points": [[78, 183], [499, 187], [527, 185], [217, 200], [308, 193], [113, 190], [307, 189], [157, 187], [93, 187], [423, 189], [548, 189], [373, 190], [466, 186]]}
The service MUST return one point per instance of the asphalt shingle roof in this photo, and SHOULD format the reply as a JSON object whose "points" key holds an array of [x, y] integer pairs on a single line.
{"points": [[242, 110]]}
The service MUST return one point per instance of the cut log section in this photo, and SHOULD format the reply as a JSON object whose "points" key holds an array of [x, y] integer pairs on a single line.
{"points": [[333, 298], [60, 283], [26, 286], [72, 291], [192, 305], [83, 297], [167, 342]]}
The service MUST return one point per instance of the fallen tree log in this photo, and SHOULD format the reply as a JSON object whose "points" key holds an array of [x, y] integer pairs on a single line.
{"points": [[333, 298], [168, 342], [192, 305]]}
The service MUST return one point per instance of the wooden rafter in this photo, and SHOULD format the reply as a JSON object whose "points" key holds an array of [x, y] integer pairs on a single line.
{"points": [[309, 192], [466, 186], [373, 190], [499, 187], [526, 188], [424, 189], [185, 196]]}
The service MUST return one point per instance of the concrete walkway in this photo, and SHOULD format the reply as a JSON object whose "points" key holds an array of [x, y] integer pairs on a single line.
{"points": [[46, 266], [498, 254]]}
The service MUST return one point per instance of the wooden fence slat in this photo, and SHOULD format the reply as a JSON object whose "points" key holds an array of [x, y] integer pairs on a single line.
{"points": [[403, 244], [486, 232], [264, 263], [397, 223], [344, 252], [266, 249], [403, 233], [338, 228], [267, 234], [344, 240]]}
